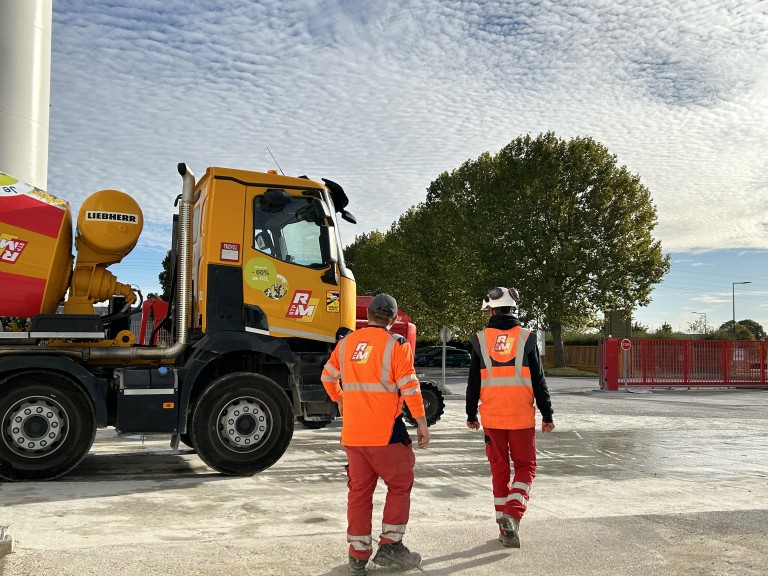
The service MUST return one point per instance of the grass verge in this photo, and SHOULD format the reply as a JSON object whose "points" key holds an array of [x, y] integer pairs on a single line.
{"points": [[567, 372]]}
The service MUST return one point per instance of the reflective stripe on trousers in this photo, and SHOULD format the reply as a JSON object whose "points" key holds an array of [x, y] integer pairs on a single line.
{"points": [[392, 463], [511, 498]]}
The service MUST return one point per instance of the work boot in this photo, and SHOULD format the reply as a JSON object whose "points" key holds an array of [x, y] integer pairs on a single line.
{"points": [[397, 555], [357, 567], [510, 531]]}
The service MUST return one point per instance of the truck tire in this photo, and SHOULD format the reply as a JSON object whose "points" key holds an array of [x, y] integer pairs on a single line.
{"points": [[434, 404], [47, 426], [242, 424]]}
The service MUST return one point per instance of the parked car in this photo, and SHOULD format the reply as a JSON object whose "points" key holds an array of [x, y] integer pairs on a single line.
{"points": [[453, 357], [431, 350]]}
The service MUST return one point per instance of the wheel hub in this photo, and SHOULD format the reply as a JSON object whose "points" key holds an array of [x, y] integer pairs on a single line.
{"points": [[243, 423], [35, 426]]}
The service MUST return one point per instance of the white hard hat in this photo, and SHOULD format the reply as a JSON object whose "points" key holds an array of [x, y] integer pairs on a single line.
{"points": [[500, 297]]}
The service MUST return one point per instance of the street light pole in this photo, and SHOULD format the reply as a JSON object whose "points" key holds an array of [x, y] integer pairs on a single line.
{"points": [[733, 300], [705, 320]]}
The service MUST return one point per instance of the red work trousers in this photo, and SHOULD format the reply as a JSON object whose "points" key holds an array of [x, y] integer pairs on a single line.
{"points": [[394, 465], [519, 445]]}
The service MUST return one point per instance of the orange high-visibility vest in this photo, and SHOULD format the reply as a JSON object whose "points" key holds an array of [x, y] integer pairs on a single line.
{"points": [[506, 390], [376, 371]]}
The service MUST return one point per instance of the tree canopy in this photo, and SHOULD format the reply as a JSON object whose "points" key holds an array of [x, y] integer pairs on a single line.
{"points": [[559, 220], [744, 330], [166, 277]]}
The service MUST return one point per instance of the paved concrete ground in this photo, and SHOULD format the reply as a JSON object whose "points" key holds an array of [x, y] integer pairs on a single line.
{"points": [[662, 483]]}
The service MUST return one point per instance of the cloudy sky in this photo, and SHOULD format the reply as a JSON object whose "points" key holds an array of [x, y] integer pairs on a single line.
{"points": [[382, 96]]}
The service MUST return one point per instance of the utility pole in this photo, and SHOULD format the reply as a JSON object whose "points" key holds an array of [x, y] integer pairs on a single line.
{"points": [[733, 300]]}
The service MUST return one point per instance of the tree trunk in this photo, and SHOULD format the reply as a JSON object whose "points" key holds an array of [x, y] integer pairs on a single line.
{"points": [[557, 337]]}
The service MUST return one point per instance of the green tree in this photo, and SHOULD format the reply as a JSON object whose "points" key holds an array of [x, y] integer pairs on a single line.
{"points": [[166, 277], [363, 257], [639, 330], [561, 222], [726, 332], [665, 331], [755, 328], [698, 327], [558, 220]]}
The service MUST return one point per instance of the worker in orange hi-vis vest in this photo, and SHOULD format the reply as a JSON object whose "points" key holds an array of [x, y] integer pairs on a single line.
{"points": [[375, 368], [506, 377]]}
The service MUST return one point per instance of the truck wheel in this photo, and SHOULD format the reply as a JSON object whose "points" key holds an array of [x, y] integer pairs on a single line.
{"points": [[313, 424], [47, 426], [242, 424], [434, 404]]}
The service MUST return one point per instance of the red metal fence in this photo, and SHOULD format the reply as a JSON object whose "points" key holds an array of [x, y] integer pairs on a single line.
{"points": [[667, 363]]}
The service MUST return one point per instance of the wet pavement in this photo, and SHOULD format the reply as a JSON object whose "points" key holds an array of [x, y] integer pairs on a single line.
{"points": [[669, 482]]}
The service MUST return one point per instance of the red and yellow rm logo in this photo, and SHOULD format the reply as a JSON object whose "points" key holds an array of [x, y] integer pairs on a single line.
{"points": [[302, 307], [503, 345], [362, 353], [10, 248]]}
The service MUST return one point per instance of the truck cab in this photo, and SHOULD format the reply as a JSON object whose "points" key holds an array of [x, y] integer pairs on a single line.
{"points": [[268, 244]]}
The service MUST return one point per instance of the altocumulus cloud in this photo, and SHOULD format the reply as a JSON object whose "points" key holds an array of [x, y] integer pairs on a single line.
{"points": [[383, 96]]}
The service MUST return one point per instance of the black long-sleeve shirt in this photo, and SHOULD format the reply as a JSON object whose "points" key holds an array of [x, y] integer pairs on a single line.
{"points": [[540, 390]]}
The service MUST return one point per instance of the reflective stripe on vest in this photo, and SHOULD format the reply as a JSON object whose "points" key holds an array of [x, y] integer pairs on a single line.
{"points": [[506, 389], [504, 375]]}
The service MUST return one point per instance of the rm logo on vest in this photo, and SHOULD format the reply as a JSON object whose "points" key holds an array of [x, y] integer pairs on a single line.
{"points": [[503, 344], [362, 353]]}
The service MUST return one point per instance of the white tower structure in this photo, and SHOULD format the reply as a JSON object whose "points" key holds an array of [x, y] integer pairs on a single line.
{"points": [[25, 88]]}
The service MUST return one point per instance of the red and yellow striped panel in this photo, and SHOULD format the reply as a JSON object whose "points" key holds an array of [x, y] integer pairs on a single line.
{"points": [[31, 214]]}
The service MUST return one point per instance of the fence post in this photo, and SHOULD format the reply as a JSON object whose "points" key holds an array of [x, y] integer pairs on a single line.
{"points": [[611, 364]]}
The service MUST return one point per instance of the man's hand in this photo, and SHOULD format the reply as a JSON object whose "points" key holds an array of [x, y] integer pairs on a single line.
{"points": [[547, 426], [473, 425], [422, 432], [340, 403]]}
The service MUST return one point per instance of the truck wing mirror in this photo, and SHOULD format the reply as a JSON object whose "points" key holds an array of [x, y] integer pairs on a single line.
{"points": [[347, 215]]}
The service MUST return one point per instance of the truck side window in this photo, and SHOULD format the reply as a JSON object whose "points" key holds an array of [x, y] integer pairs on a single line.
{"points": [[195, 224], [288, 230]]}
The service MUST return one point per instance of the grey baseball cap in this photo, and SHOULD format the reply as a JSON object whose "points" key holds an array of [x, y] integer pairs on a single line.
{"points": [[384, 305]]}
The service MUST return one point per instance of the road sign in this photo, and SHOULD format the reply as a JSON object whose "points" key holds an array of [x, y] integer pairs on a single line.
{"points": [[445, 333], [626, 344]]}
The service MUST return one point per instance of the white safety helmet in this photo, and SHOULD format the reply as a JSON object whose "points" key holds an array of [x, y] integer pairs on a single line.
{"points": [[500, 297]]}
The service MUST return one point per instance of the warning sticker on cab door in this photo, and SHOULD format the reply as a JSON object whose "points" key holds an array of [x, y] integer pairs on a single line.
{"points": [[230, 252], [332, 300]]}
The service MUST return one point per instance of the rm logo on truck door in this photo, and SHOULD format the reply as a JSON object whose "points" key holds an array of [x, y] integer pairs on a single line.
{"points": [[302, 307]]}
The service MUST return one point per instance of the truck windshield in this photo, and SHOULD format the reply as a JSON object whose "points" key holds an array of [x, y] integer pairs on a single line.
{"points": [[287, 228]]}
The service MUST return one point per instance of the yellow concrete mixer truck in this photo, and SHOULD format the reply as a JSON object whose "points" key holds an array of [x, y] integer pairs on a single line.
{"points": [[261, 296]]}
